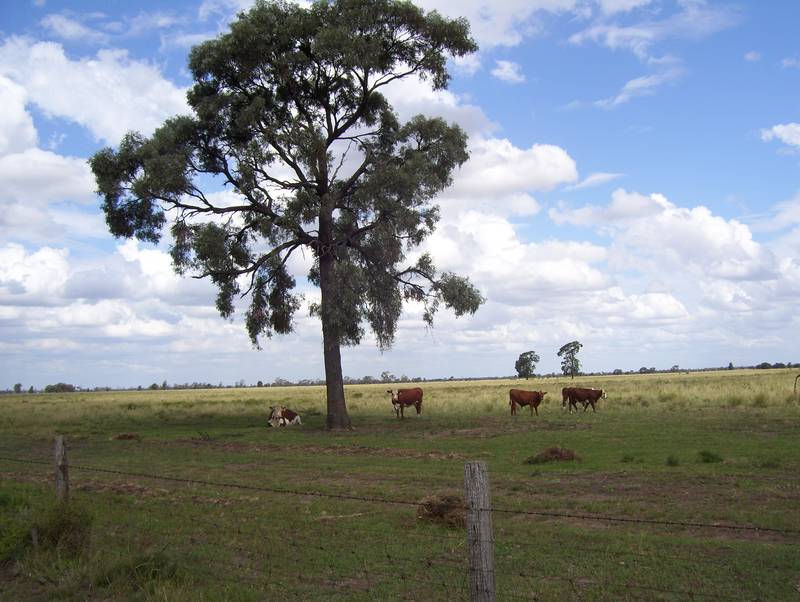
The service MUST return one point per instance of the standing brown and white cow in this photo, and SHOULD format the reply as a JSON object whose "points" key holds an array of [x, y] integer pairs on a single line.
{"points": [[518, 397], [406, 397], [587, 397]]}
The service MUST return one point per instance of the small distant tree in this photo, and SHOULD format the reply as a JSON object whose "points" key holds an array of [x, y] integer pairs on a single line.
{"points": [[617, 371], [30, 389], [164, 385], [570, 364], [526, 364], [387, 377], [18, 388], [260, 383], [764, 365], [675, 368], [730, 366], [60, 388], [643, 370], [154, 387]]}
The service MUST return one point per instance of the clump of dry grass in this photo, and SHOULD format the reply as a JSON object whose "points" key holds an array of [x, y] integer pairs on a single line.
{"points": [[447, 509], [554, 453]]}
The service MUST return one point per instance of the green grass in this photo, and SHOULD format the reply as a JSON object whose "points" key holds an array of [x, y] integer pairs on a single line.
{"points": [[153, 539]]}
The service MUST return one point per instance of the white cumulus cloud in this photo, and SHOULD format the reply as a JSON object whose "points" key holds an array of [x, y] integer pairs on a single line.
{"points": [[508, 71], [109, 93], [788, 133]]}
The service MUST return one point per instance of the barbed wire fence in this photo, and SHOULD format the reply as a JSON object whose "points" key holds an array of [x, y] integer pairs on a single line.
{"points": [[485, 564]]}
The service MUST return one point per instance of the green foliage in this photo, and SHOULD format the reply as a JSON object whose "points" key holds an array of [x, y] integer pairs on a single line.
{"points": [[60, 388], [526, 364], [570, 364], [673, 460], [289, 112]]}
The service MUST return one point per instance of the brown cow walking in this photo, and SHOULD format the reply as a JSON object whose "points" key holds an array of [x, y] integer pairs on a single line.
{"points": [[587, 397], [532, 399], [406, 397]]}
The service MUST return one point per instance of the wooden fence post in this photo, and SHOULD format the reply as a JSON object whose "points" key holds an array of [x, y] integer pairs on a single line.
{"points": [[62, 472], [480, 547]]}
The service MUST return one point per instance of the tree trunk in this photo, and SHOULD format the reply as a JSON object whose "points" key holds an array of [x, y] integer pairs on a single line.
{"points": [[337, 409]]}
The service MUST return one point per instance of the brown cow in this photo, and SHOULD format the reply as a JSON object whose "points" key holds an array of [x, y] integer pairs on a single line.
{"points": [[406, 397], [281, 416], [586, 396], [522, 398]]}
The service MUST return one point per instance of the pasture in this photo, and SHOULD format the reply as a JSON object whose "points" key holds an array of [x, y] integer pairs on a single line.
{"points": [[704, 450]]}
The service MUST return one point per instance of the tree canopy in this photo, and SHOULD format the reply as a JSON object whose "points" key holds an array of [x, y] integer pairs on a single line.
{"points": [[289, 115], [570, 364], [526, 364]]}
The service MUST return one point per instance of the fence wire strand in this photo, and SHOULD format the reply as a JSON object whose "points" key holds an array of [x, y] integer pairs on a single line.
{"points": [[359, 498]]}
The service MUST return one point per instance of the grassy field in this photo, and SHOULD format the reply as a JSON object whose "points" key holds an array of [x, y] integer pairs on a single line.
{"points": [[710, 449]]}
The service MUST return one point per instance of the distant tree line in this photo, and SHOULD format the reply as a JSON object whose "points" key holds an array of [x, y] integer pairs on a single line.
{"points": [[524, 367]]}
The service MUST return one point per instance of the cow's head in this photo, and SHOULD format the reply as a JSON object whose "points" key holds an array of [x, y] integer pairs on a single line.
{"points": [[603, 394], [542, 394], [276, 416], [395, 400]]}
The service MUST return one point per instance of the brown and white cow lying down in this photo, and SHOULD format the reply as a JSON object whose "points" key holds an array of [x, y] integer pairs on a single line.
{"points": [[587, 397], [532, 399], [406, 397], [281, 416]]}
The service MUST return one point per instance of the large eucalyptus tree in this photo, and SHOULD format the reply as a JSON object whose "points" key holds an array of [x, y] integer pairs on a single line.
{"points": [[289, 114]]}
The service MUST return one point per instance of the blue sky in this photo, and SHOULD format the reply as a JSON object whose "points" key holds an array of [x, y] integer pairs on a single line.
{"points": [[633, 184]]}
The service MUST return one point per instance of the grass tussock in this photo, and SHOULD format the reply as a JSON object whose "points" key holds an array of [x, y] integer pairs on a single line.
{"points": [[554, 453], [673, 460], [138, 572], [64, 527], [443, 509], [14, 534], [708, 457]]}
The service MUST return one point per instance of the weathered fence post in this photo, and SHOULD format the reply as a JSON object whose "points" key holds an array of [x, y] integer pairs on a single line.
{"points": [[480, 547], [62, 472]]}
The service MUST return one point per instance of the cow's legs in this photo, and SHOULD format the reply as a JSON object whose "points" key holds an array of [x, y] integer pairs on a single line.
{"points": [[535, 409]]}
